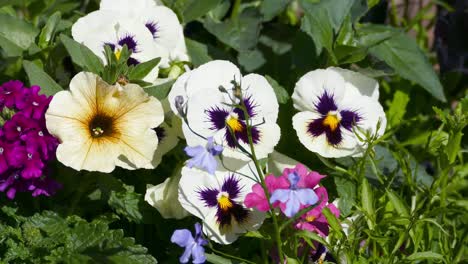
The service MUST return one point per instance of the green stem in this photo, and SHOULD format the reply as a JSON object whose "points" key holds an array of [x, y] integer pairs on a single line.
{"points": [[235, 8], [231, 256], [262, 179]]}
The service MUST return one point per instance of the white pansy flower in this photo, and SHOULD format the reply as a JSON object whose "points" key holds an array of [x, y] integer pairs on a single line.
{"points": [[218, 200], [103, 27], [209, 113], [164, 197], [161, 21], [101, 126], [335, 104]]}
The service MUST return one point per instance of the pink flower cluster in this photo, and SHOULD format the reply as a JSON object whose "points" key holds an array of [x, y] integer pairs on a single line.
{"points": [[314, 220], [25, 145]]}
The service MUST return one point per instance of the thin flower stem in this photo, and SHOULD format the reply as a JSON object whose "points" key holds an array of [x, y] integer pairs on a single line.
{"points": [[263, 183], [230, 256]]}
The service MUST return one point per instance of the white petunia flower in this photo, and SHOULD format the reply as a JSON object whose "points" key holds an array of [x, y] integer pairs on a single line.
{"points": [[335, 104], [161, 21], [164, 197], [209, 113], [101, 126], [104, 27], [218, 200]]}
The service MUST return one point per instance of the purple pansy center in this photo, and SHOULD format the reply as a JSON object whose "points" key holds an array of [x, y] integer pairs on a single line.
{"points": [[153, 28], [227, 209], [130, 42], [332, 120], [233, 121]]}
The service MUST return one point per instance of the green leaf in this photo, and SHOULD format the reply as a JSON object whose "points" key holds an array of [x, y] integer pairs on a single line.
{"points": [[333, 222], [48, 31], [141, 70], [198, 52], [281, 94], [397, 108], [197, 8], [251, 59], [398, 204], [240, 33], [322, 19], [126, 203], [82, 55], [310, 236], [17, 31], [367, 202], [272, 8], [160, 91], [402, 53], [215, 259], [347, 192], [10, 49], [37, 76], [425, 255], [453, 145]]}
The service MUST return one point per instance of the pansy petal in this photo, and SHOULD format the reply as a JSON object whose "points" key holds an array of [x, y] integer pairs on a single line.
{"points": [[182, 237], [313, 85]]}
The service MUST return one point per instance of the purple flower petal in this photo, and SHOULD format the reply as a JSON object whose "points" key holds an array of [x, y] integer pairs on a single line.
{"points": [[182, 237], [281, 195], [307, 196]]}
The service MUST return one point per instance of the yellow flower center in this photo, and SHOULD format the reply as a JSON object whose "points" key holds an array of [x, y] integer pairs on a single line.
{"points": [[234, 123], [332, 121], [117, 53], [310, 218], [224, 202]]}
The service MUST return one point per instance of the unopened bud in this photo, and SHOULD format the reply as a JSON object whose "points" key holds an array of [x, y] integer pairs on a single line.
{"points": [[179, 104]]}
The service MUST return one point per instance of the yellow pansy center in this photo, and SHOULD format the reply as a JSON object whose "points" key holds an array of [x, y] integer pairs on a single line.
{"points": [[117, 53], [332, 120], [310, 218], [224, 202], [233, 123]]}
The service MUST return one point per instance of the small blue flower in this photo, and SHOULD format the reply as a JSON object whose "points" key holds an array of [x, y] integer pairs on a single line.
{"points": [[294, 197], [204, 157], [193, 245]]}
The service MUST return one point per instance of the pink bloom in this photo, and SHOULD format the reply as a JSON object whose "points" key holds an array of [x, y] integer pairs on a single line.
{"points": [[32, 104], [257, 198]]}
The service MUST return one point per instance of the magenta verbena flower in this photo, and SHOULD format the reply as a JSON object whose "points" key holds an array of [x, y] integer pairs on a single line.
{"points": [[25, 144]]}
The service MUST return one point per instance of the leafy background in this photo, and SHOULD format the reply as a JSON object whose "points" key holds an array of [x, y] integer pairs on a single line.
{"points": [[408, 196]]}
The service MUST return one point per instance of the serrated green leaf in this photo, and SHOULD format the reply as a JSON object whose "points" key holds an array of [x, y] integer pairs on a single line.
{"points": [[272, 8], [402, 53], [251, 59], [198, 52], [196, 8], [82, 55], [453, 145], [17, 31], [281, 94], [37, 76], [215, 259], [160, 91], [323, 19], [48, 31], [240, 33], [142, 69], [127, 203], [347, 192]]}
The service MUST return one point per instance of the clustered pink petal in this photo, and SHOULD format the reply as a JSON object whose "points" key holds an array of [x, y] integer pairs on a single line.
{"points": [[314, 220], [25, 144]]}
